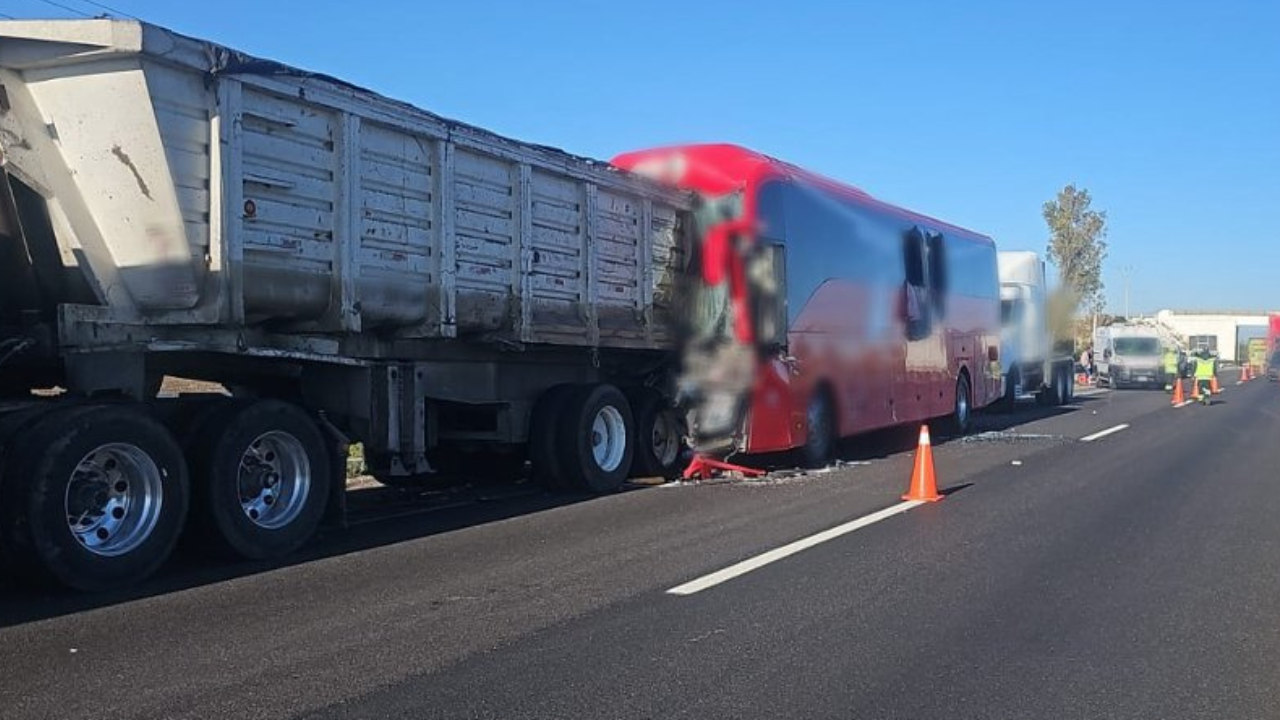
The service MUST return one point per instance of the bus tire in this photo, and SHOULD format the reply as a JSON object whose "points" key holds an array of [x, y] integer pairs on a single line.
{"points": [[544, 437], [262, 477], [117, 470], [820, 434], [659, 437], [962, 408], [596, 439], [1066, 386]]}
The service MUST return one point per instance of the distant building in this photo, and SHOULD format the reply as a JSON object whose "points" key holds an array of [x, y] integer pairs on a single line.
{"points": [[1223, 332]]}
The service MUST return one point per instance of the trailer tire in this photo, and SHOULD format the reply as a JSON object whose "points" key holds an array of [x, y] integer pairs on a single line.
{"points": [[124, 476], [597, 436], [262, 479], [544, 436], [659, 437], [1068, 387], [1048, 395], [820, 434], [1009, 399]]}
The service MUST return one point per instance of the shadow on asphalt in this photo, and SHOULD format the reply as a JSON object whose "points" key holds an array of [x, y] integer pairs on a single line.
{"points": [[379, 516], [953, 489], [885, 443]]}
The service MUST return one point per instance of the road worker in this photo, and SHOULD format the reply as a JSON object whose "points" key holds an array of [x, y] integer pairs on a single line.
{"points": [[1170, 368], [1204, 375]]}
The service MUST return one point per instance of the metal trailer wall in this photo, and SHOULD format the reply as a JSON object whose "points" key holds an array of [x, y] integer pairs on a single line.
{"points": [[191, 187]]}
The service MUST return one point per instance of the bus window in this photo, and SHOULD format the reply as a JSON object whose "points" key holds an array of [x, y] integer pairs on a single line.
{"points": [[916, 305], [913, 253], [937, 271]]}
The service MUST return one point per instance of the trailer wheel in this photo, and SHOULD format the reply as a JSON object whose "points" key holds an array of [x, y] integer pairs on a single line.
{"points": [[262, 479], [1068, 387], [596, 439], [96, 497], [544, 437], [1010, 398], [1049, 394], [820, 438], [659, 437]]}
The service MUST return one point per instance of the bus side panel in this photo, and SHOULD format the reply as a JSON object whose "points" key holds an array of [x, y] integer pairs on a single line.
{"points": [[846, 275]]}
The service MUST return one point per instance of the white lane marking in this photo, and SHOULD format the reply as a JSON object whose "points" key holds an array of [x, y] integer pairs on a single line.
{"points": [[772, 556], [1104, 433], [1091, 391]]}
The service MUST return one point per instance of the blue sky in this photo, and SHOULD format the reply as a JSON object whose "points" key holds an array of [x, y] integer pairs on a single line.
{"points": [[1168, 112]]}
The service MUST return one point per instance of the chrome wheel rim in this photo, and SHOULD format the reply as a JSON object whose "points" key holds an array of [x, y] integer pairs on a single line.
{"points": [[665, 441], [113, 499], [273, 479], [608, 438], [962, 405]]}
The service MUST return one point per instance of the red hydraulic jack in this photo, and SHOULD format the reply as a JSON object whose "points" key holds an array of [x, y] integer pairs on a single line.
{"points": [[703, 467]]}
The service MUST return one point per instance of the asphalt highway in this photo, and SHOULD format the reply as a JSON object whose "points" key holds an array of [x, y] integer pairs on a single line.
{"points": [[1115, 558]]}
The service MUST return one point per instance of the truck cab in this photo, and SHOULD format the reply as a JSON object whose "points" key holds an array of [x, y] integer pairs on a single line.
{"points": [[1028, 361]]}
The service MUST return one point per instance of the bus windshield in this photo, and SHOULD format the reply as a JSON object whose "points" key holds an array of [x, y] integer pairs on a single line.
{"points": [[1137, 346]]}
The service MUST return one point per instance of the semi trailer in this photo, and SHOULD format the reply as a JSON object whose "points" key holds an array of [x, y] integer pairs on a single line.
{"points": [[349, 267]]}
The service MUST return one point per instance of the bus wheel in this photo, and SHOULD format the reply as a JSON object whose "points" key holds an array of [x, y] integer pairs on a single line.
{"points": [[659, 437], [263, 478], [596, 438], [820, 439], [95, 497], [962, 413]]}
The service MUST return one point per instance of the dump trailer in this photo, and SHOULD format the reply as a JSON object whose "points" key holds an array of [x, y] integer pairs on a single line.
{"points": [[351, 268], [1031, 361]]}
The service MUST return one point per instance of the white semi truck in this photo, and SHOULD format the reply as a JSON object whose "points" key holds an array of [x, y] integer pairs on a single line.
{"points": [[1030, 363], [352, 268]]}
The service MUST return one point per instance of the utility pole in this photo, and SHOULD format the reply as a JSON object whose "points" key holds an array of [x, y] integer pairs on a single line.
{"points": [[1126, 272]]}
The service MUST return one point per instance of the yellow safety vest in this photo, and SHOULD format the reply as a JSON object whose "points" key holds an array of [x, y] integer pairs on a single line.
{"points": [[1204, 368], [1171, 362]]}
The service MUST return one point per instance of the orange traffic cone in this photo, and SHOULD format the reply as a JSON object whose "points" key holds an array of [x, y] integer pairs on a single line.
{"points": [[1244, 373], [1178, 399], [1195, 389], [924, 485], [1213, 385]]}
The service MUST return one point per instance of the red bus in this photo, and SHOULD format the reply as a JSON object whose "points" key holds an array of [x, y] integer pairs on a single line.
{"points": [[859, 314]]}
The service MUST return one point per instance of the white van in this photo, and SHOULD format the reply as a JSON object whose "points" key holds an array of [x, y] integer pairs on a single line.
{"points": [[1129, 356]]}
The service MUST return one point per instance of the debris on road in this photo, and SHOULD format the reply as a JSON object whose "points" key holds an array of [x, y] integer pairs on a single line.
{"points": [[1007, 436]]}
